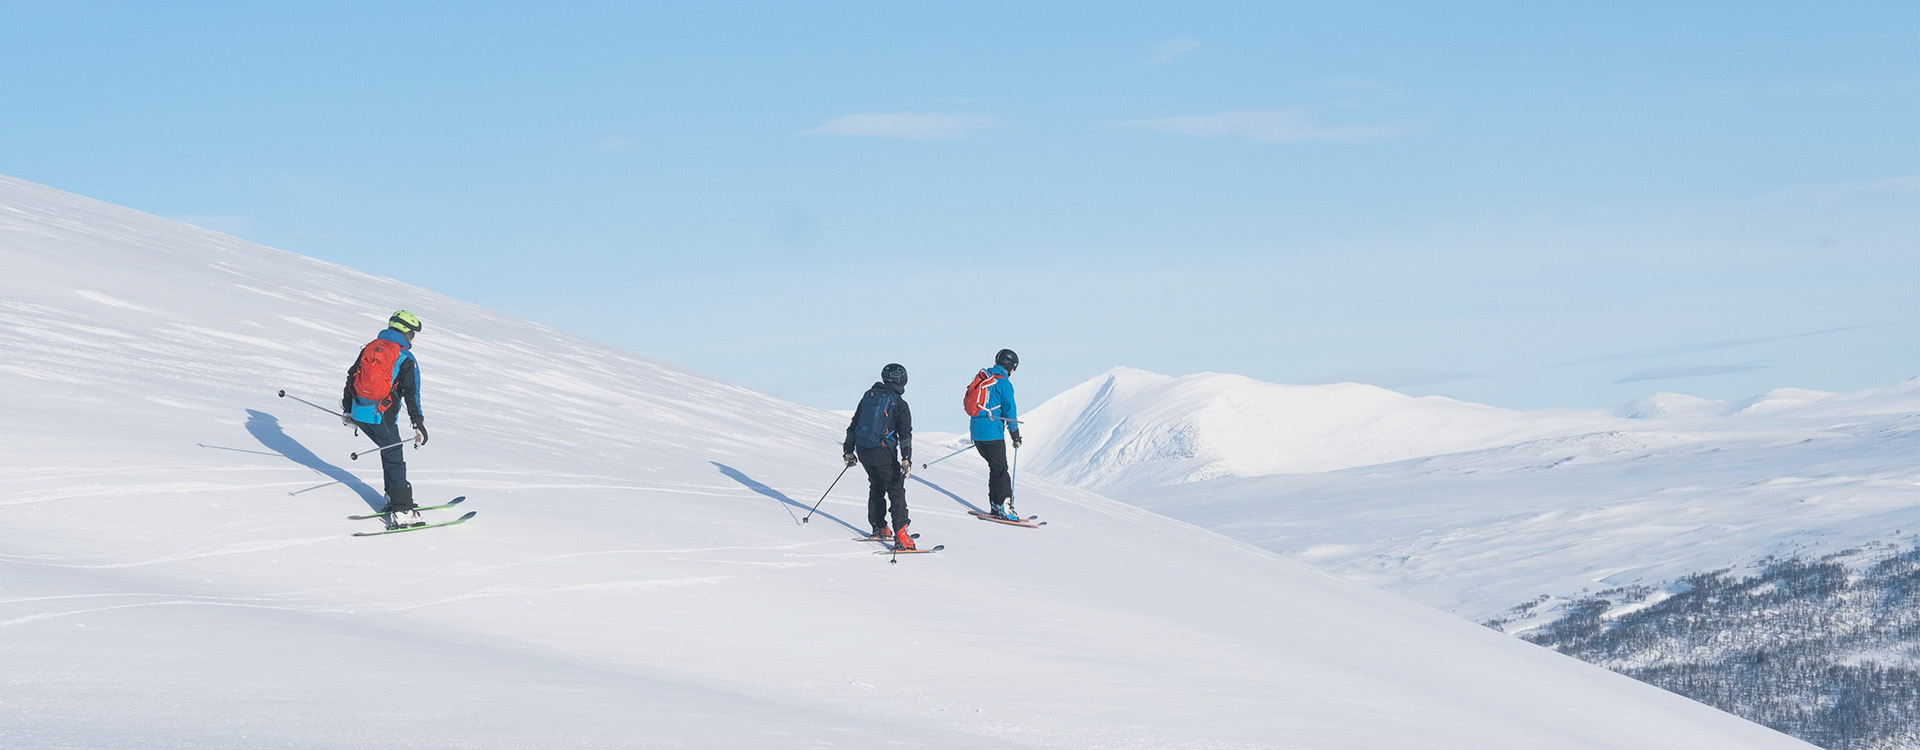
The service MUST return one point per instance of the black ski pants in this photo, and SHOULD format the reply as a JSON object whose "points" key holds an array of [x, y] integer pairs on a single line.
{"points": [[393, 465], [884, 479], [999, 482]]}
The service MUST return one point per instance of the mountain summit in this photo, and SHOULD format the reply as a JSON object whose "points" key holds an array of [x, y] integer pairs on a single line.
{"points": [[1130, 429]]}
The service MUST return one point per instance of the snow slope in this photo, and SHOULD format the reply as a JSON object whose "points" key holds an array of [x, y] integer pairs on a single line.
{"points": [[1131, 428], [1661, 487], [176, 570]]}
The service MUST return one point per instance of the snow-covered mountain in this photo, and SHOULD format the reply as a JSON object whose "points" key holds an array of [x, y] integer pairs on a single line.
{"points": [[1756, 555], [176, 570], [1473, 520], [1131, 428]]}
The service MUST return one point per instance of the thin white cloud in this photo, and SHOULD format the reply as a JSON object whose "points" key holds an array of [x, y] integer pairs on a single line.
{"points": [[1172, 48], [1706, 346], [1399, 377], [1685, 371], [918, 126], [1297, 125]]}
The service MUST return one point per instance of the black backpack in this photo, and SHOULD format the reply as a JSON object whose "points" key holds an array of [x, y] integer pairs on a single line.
{"points": [[873, 420]]}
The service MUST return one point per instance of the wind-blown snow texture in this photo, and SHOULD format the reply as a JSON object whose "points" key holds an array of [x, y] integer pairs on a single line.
{"points": [[176, 570]]}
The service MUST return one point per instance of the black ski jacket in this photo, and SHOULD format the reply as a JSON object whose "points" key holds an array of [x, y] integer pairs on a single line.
{"points": [[901, 424]]}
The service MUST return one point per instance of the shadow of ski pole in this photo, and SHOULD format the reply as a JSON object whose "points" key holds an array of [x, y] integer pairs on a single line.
{"points": [[735, 475], [956, 498], [266, 428]]}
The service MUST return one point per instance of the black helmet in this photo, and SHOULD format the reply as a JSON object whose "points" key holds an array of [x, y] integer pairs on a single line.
{"points": [[894, 375], [1007, 359]]}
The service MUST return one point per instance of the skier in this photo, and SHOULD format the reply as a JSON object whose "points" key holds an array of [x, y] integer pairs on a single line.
{"points": [[385, 373], [881, 422], [990, 402]]}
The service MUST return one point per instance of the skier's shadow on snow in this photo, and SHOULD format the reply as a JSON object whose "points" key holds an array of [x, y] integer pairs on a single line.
{"points": [[735, 475], [956, 498], [266, 428]]}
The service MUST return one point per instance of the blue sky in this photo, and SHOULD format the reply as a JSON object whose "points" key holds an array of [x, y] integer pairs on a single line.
{"points": [[1522, 204]]}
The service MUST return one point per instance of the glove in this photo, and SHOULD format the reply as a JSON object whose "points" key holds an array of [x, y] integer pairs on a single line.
{"points": [[1016, 438], [851, 460], [906, 469], [346, 420], [419, 434]]}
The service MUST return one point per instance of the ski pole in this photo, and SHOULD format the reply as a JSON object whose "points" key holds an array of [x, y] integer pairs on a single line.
{"points": [[1015, 473], [356, 430], [356, 456], [283, 394], [950, 455], [823, 495]]}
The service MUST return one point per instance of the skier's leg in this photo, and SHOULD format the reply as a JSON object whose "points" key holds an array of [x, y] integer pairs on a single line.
{"points": [[898, 490], [877, 481], [393, 464], [999, 484]]}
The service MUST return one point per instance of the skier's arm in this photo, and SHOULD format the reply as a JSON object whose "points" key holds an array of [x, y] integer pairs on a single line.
{"points": [[346, 393], [847, 447], [903, 428], [410, 390], [1011, 413]]}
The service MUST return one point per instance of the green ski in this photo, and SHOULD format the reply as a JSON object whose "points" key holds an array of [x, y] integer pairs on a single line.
{"points": [[448, 504], [461, 519]]}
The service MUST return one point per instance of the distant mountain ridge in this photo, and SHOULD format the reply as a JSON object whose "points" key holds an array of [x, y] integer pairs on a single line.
{"points": [[1131, 428]]}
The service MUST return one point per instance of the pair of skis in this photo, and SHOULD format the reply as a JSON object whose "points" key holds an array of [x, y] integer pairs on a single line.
{"points": [[1031, 522], [385, 517], [391, 529], [894, 549]]}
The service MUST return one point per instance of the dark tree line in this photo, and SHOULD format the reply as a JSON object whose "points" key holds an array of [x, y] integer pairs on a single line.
{"points": [[1822, 650]]}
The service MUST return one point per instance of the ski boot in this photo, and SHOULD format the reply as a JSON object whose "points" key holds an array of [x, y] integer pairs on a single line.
{"points": [[902, 540], [880, 532], [400, 517], [1008, 512]]}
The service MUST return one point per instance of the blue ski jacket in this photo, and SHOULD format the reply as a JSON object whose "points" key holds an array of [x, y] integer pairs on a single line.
{"points": [[988, 424]]}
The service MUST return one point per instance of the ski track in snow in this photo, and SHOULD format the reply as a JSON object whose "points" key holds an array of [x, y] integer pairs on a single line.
{"points": [[238, 549], [50, 615]]}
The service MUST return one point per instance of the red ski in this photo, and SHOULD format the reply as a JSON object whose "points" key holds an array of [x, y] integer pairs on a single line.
{"points": [[886, 539], [915, 551]]}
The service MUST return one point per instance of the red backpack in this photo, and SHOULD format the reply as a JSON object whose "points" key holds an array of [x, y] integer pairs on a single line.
{"points": [[977, 392], [379, 362]]}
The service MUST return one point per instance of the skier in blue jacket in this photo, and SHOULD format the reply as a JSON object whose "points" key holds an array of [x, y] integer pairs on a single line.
{"points": [[995, 421], [382, 378]]}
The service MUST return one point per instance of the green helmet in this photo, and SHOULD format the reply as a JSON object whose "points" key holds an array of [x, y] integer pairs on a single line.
{"points": [[404, 322]]}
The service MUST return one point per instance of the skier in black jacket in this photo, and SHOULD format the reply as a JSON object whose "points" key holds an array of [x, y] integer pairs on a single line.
{"points": [[881, 422]]}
